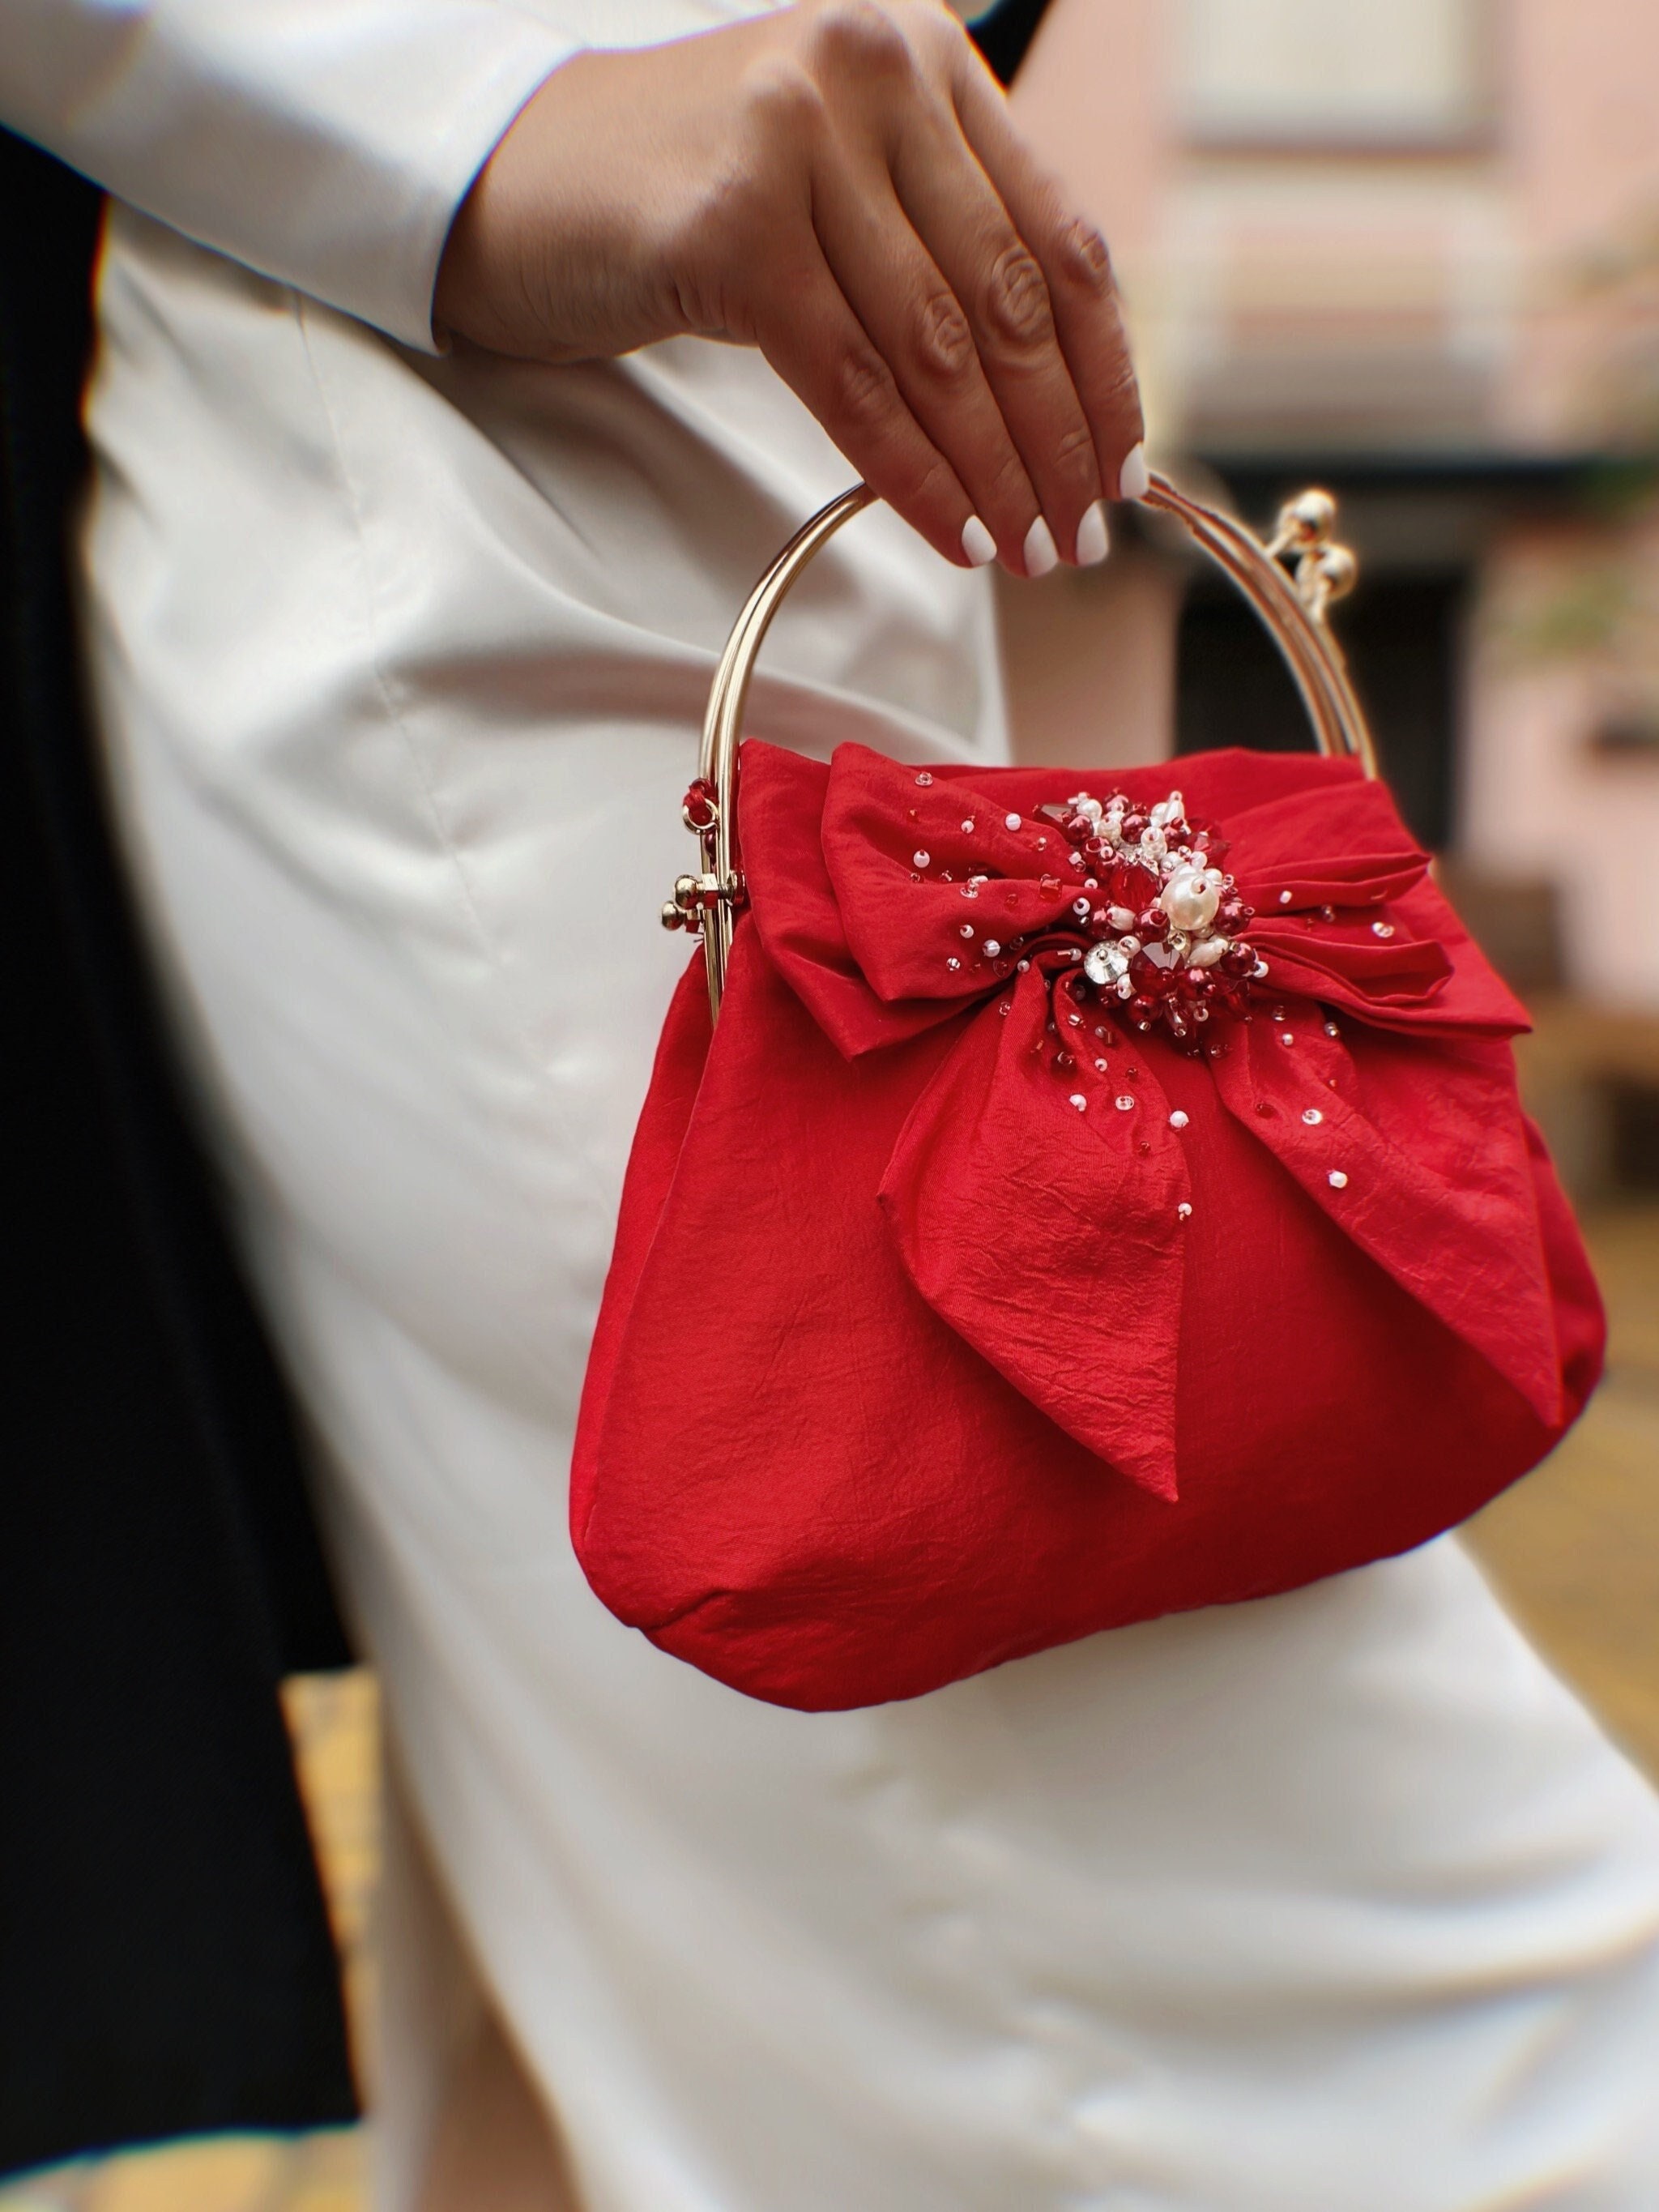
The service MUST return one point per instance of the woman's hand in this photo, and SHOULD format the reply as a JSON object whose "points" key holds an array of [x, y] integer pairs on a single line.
{"points": [[838, 184]]}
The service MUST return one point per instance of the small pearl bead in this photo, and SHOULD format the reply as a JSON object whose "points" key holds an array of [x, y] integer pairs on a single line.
{"points": [[967, 828], [992, 948], [1311, 1114], [1022, 966], [1337, 1179], [966, 929], [1331, 1029], [921, 860], [1183, 1211], [1284, 898], [1080, 1101], [1100, 1067], [1381, 929], [1124, 1102], [1285, 1037], [953, 963], [924, 778], [1177, 1120], [1012, 822]]}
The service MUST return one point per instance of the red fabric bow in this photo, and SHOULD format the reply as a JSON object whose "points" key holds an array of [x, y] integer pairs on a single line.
{"points": [[1002, 1191]]}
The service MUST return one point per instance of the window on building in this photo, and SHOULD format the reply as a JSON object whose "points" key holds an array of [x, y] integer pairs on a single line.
{"points": [[1301, 72]]}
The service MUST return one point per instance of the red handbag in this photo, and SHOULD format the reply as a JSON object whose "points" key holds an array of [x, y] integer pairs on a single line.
{"points": [[1088, 1204]]}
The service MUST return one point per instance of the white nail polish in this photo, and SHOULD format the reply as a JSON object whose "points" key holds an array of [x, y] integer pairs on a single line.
{"points": [[1133, 479], [1093, 540], [1039, 553], [977, 542]]}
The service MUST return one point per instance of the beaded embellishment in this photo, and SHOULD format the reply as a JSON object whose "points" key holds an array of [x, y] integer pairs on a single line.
{"points": [[1166, 923]]}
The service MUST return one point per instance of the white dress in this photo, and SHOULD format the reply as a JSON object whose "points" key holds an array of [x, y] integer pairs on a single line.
{"points": [[1333, 1902]]}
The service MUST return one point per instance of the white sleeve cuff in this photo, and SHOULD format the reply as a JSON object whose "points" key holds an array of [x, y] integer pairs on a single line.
{"points": [[327, 143]]}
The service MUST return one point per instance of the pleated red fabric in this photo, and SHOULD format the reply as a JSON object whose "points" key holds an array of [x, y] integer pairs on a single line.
{"points": [[952, 1315]]}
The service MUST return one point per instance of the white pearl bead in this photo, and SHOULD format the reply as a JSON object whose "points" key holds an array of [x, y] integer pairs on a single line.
{"points": [[1337, 1179], [1010, 822], [1177, 1120], [1190, 902]]}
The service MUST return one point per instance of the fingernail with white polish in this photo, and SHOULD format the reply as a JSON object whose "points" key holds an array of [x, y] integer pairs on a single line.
{"points": [[1133, 479], [1039, 553], [1093, 541], [977, 542]]}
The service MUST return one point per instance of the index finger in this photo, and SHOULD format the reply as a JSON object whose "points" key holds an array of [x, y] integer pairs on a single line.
{"points": [[1073, 257]]}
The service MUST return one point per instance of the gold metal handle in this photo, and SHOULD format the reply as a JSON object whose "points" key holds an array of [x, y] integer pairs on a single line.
{"points": [[1292, 606]]}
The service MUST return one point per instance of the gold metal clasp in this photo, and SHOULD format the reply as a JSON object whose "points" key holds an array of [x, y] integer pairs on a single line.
{"points": [[695, 896], [1324, 570]]}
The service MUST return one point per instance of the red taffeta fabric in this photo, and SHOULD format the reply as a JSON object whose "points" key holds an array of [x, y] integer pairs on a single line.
{"points": [[951, 1317]]}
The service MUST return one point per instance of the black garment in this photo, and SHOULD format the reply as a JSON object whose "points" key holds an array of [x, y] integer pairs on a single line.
{"points": [[1003, 35], [165, 1959]]}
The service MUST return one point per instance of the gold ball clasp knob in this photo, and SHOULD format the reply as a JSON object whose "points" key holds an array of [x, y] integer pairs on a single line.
{"points": [[1305, 523], [1336, 570]]}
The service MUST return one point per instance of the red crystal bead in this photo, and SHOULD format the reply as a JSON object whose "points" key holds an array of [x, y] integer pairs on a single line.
{"points": [[1142, 1009], [1238, 960], [1151, 981], [1151, 922], [1132, 886], [1064, 1063], [1050, 886], [1132, 826]]}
